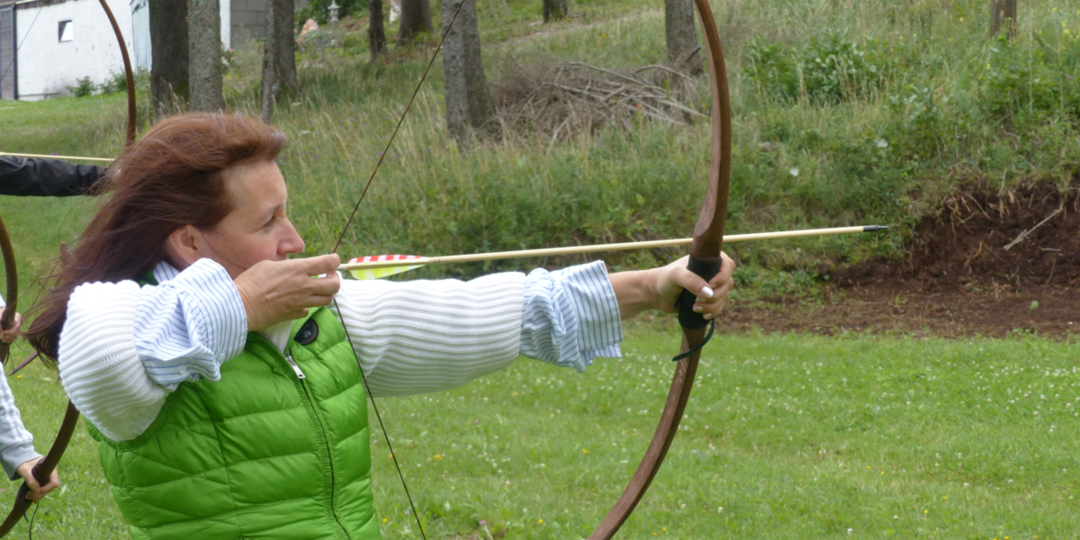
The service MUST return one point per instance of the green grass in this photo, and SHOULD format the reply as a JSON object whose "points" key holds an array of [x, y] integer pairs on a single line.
{"points": [[792, 436]]}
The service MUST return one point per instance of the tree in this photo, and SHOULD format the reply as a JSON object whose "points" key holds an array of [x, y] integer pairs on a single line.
{"points": [[415, 18], [1003, 12], [376, 30], [681, 35], [204, 55], [468, 100], [279, 55], [555, 10], [169, 56]]}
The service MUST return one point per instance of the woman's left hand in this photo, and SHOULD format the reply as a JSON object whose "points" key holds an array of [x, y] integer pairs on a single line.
{"points": [[711, 295]]}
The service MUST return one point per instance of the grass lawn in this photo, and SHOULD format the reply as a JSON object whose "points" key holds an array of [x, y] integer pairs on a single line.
{"points": [[784, 437]]}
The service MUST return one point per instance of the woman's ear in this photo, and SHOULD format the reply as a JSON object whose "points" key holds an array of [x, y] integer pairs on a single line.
{"points": [[185, 246]]}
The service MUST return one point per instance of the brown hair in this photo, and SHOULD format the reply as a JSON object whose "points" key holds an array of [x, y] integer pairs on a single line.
{"points": [[174, 176]]}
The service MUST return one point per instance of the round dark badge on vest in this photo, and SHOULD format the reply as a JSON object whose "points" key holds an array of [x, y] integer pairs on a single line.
{"points": [[307, 333]]}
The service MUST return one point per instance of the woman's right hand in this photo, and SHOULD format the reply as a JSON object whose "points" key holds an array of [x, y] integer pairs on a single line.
{"points": [[276, 291]]}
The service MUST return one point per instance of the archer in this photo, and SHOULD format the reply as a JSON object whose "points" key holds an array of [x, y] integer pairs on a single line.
{"points": [[225, 386]]}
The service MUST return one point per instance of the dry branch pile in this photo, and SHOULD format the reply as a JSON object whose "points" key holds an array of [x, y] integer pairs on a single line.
{"points": [[562, 100]]}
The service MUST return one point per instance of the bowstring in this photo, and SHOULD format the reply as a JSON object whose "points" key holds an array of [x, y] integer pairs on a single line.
{"points": [[341, 317]]}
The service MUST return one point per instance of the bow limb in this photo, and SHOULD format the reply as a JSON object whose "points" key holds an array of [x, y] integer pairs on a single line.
{"points": [[44, 468], [705, 259]]}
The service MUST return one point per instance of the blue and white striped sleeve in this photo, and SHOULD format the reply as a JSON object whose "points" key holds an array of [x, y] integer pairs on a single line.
{"points": [[186, 327], [570, 316], [16, 444]]}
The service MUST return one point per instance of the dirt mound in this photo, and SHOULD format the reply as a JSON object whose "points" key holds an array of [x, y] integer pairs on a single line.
{"points": [[1025, 236], [986, 263]]}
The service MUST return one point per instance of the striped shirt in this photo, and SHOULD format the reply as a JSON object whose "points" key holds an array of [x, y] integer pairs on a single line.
{"points": [[16, 443], [194, 320]]}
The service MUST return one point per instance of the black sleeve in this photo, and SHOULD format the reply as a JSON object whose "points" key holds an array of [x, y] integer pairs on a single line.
{"points": [[46, 177]]}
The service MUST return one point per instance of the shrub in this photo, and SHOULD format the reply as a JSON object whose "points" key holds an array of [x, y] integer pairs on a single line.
{"points": [[917, 121], [83, 87], [1031, 79], [831, 68]]}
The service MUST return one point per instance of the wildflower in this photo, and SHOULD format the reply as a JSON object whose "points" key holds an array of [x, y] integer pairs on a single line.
{"points": [[483, 523], [539, 522], [794, 171], [881, 143], [585, 450]]}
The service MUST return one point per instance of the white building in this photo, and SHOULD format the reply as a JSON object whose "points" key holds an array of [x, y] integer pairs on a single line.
{"points": [[46, 48]]}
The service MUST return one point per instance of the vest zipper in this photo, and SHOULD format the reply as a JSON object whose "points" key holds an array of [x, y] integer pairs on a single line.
{"points": [[314, 411], [295, 368]]}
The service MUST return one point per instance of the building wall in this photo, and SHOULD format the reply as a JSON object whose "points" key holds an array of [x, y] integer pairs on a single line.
{"points": [[248, 19], [47, 66]]}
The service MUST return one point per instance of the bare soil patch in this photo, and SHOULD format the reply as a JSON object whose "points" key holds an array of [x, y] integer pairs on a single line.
{"points": [[986, 263]]}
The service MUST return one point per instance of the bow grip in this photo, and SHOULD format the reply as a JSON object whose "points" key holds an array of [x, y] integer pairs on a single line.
{"points": [[688, 318]]}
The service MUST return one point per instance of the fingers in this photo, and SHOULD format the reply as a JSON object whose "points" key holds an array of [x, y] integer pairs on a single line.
{"points": [[9, 335], [26, 470], [315, 266], [39, 492], [720, 285], [324, 286]]}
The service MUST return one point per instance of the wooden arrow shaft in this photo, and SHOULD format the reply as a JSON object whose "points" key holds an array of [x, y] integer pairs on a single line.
{"points": [[652, 244], [67, 158]]}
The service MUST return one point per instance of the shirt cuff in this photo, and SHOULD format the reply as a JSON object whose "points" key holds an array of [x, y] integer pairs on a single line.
{"points": [[16, 455], [571, 316], [188, 326]]}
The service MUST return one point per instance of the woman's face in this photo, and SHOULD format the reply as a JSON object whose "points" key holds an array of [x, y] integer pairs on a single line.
{"points": [[257, 229]]}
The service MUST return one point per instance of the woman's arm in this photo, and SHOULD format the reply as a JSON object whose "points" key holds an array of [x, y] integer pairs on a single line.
{"points": [[16, 443], [46, 177], [99, 367], [425, 336], [659, 288]]}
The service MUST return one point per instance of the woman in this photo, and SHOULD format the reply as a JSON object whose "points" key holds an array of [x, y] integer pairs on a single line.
{"points": [[224, 392]]}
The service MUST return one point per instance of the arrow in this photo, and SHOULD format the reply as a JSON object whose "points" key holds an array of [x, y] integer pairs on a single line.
{"points": [[380, 266], [68, 158]]}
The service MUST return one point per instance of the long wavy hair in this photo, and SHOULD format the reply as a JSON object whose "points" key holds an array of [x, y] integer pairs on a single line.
{"points": [[174, 176]]}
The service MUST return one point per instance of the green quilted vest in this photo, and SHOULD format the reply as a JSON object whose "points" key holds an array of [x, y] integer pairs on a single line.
{"points": [[262, 453]]}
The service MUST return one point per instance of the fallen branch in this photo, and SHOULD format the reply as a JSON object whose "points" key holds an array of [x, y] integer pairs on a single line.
{"points": [[1025, 234]]}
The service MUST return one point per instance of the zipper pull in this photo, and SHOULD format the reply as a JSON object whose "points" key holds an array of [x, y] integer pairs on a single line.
{"points": [[295, 368]]}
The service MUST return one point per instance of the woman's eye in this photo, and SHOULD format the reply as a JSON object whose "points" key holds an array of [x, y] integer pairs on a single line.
{"points": [[269, 223]]}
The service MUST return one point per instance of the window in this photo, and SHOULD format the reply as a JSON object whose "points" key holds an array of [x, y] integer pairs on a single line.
{"points": [[67, 31]]}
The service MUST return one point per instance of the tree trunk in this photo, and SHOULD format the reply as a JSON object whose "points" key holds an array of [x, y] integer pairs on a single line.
{"points": [[415, 18], [1003, 12], [468, 100], [681, 35], [169, 56], [376, 31], [279, 55], [204, 53], [555, 10]]}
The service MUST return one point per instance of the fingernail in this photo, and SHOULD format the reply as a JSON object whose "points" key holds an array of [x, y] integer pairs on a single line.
{"points": [[707, 316], [706, 292], [698, 309]]}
